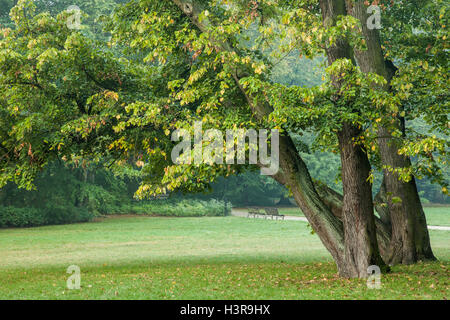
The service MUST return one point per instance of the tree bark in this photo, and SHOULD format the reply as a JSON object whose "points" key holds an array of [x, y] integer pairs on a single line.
{"points": [[335, 201], [361, 246], [410, 239], [327, 226]]}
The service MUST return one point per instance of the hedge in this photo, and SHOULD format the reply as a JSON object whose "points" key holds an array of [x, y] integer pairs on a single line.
{"points": [[13, 217]]}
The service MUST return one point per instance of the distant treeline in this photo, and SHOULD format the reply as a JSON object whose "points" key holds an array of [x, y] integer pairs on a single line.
{"points": [[68, 194]]}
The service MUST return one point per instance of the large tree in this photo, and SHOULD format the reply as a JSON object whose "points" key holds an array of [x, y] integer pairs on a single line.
{"points": [[65, 96]]}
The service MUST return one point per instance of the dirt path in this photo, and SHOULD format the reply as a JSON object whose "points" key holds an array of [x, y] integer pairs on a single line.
{"points": [[243, 214]]}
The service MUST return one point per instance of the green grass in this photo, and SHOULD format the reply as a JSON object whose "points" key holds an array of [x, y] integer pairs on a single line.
{"points": [[436, 216], [295, 212], [196, 258]]}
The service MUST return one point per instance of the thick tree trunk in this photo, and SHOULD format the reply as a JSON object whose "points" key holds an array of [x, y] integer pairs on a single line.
{"points": [[410, 239], [361, 245]]}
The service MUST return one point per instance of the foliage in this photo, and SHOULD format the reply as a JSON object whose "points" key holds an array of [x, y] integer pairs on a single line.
{"points": [[13, 217], [21, 217], [67, 194], [93, 13], [182, 208], [249, 188], [66, 96], [56, 96], [207, 85], [66, 186], [416, 38]]}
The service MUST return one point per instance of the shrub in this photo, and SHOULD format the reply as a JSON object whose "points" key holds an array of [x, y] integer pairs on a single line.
{"points": [[12, 217], [182, 208], [21, 217], [64, 214]]}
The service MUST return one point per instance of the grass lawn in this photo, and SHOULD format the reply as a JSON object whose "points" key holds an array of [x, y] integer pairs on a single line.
{"points": [[196, 258], [436, 216]]}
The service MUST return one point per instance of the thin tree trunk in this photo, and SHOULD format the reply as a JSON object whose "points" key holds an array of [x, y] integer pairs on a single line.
{"points": [[410, 239]]}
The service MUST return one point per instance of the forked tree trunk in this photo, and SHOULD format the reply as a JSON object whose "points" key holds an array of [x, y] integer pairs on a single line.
{"points": [[410, 239], [328, 227]]}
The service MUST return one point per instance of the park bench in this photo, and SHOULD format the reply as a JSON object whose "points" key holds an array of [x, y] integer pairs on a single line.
{"points": [[273, 212], [268, 212], [254, 212], [160, 197]]}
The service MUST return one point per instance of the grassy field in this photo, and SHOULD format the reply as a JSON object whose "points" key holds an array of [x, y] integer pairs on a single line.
{"points": [[436, 216], [196, 258]]}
